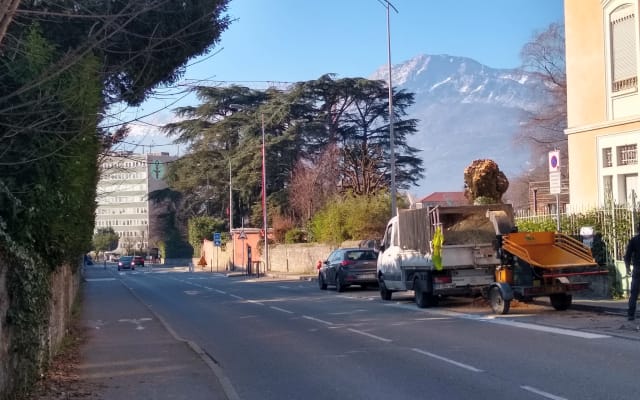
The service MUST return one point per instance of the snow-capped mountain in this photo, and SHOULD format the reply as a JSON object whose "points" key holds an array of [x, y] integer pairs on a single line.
{"points": [[467, 111]]}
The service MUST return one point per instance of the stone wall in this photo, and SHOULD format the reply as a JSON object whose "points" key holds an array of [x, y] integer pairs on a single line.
{"points": [[299, 258], [292, 258], [64, 289]]}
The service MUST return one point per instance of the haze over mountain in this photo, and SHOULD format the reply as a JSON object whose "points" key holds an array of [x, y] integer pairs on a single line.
{"points": [[467, 111]]}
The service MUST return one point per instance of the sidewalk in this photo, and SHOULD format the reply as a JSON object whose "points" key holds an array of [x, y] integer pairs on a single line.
{"points": [[133, 354], [609, 306]]}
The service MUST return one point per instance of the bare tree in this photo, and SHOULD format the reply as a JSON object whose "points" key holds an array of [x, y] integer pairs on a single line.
{"points": [[544, 57], [313, 183], [7, 10]]}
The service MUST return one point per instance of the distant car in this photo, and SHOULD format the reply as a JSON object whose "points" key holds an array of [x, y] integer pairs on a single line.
{"points": [[126, 262], [348, 266], [138, 260]]}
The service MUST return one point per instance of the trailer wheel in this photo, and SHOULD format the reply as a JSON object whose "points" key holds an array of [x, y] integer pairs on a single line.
{"points": [[385, 294], [498, 304], [561, 301], [422, 298], [321, 283]]}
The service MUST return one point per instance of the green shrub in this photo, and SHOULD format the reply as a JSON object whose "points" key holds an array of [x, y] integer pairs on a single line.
{"points": [[295, 235], [351, 217]]}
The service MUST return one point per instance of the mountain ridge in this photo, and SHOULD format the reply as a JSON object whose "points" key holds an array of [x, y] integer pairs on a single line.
{"points": [[466, 111]]}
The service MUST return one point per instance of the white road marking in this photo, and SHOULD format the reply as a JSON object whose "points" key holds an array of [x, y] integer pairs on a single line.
{"points": [[450, 361], [220, 291], [136, 322], [99, 279], [191, 292], [370, 335], [549, 329], [541, 393], [504, 321], [255, 302], [317, 320], [283, 287], [236, 297], [347, 312], [282, 310]]}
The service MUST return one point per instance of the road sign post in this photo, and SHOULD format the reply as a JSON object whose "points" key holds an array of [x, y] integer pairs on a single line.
{"points": [[555, 182], [217, 242]]}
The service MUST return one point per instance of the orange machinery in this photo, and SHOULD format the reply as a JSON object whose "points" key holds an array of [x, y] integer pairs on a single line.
{"points": [[545, 264]]}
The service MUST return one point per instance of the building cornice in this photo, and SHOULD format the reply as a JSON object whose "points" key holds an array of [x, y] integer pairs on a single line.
{"points": [[601, 125]]}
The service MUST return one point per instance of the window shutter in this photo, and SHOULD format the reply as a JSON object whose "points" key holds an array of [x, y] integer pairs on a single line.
{"points": [[623, 48]]}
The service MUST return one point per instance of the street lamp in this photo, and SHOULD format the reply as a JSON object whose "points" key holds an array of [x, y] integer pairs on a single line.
{"points": [[264, 188], [264, 202], [392, 144]]}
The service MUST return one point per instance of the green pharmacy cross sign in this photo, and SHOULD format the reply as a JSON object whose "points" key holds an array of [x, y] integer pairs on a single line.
{"points": [[157, 169]]}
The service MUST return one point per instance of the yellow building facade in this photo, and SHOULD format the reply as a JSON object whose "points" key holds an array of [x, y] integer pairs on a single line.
{"points": [[603, 103]]}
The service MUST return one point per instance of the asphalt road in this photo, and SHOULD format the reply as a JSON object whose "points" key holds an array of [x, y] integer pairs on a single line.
{"points": [[290, 340]]}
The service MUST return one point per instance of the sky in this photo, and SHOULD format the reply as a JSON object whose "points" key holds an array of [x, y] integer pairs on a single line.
{"points": [[275, 42]]}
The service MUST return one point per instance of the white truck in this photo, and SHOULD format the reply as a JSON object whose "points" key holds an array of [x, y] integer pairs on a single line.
{"points": [[445, 251]]}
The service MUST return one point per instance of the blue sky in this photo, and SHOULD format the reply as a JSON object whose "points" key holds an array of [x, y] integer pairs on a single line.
{"points": [[273, 41]]}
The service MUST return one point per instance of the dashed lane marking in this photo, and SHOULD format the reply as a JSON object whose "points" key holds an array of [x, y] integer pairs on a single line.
{"points": [[281, 310], [448, 360], [317, 320], [542, 393], [369, 335]]}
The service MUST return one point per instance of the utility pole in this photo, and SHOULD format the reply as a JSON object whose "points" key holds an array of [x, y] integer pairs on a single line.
{"points": [[392, 139], [264, 202]]}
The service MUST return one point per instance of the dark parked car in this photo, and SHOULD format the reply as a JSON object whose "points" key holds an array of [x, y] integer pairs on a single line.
{"points": [[138, 260], [348, 266], [126, 262]]}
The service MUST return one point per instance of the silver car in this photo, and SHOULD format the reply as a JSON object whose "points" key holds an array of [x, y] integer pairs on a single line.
{"points": [[348, 266]]}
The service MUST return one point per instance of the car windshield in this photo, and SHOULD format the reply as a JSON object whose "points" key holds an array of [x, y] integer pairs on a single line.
{"points": [[125, 259], [365, 255]]}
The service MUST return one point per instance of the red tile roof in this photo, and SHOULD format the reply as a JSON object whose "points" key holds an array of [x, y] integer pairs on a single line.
{"points": [[451, 198]]}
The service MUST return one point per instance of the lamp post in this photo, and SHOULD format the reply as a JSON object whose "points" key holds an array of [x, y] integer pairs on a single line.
{"points": [[392, 144], [264, 188], [264, 201]]}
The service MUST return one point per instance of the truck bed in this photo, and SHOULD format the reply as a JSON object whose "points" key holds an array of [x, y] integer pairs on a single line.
{"points": [[548, 250]]}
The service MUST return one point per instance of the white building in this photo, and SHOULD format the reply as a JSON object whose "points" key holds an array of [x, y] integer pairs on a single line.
{"points": [[123, 197]]}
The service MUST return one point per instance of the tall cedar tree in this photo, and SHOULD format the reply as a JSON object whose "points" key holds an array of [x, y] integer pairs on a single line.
{"points": [[225, 132]]}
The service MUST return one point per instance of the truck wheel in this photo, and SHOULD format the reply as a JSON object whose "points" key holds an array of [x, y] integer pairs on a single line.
{"points": [[422, 298], [385, 294], [498, 304], [339, 284], [561, 301], [321, 283]]}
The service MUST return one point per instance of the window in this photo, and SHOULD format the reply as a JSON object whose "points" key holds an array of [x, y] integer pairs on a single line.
{"points": [[627, 154], [623, 48], [607, 161], [607, 186]]}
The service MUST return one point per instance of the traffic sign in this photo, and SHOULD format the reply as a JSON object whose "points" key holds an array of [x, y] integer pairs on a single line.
{"points": [[554, 161], [555, 185], [217, 239]]}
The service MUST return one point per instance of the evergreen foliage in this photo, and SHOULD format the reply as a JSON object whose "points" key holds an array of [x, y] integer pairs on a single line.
{"points": [[301, 125], [201, 228], [62, 65], [105, 239]]}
